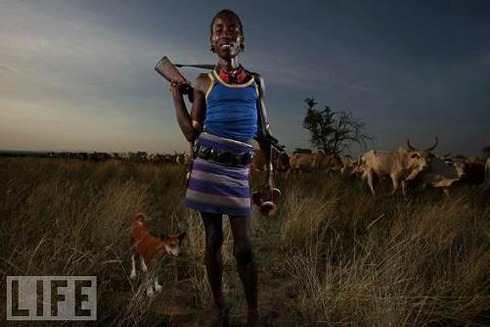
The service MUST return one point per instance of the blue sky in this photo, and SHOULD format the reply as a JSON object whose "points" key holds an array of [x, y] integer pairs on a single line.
{"points": [[78, 75]]}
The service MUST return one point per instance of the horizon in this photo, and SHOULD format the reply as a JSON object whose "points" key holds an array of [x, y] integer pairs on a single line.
{"points": [[482, 155]]}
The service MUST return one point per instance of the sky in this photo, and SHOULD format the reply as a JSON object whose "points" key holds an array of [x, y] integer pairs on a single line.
{"points": [[79, 75]]}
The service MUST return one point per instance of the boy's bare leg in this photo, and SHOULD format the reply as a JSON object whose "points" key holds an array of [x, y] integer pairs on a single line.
{"points": [[247, 269], [213, 259]]}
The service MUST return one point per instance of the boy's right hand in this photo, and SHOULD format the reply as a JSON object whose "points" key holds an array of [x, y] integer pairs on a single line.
{"points": [[178, 88]]}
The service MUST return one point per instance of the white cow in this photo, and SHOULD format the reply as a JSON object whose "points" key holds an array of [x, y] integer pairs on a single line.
{"points": [[401, 166]]}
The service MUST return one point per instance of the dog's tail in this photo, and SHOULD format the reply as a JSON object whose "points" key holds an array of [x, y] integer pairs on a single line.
{"points": [[139, 217]]}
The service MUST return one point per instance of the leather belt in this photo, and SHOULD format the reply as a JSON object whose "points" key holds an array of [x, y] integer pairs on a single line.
{"points": [[226, 158]]}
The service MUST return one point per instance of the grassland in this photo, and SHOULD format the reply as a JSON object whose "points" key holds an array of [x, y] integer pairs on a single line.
{"points": [[333, 256]]}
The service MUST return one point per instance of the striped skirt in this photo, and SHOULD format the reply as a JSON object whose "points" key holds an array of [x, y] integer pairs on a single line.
{"points": [[216, 188]]}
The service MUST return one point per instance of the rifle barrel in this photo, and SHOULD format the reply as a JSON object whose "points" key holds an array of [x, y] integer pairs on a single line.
{"points": [[200, 66]]}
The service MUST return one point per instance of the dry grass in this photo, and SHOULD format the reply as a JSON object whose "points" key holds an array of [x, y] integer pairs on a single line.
{"points": [[333, 256]]}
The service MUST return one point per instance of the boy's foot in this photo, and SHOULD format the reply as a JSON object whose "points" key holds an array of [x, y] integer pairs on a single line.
{"points": [[252, 318], [218, 316]]}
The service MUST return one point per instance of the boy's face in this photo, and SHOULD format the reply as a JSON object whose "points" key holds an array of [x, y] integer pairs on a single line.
{"points": [[226, 37]]}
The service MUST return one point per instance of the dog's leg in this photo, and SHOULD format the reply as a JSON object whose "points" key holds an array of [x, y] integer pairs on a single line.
{"points": [[133, 264], [149, 290], [147, 278], [149, 284], [144, 268], [158, 287]]}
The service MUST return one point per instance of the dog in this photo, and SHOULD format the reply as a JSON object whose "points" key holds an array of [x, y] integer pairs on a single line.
{"points": [[150, 250]]}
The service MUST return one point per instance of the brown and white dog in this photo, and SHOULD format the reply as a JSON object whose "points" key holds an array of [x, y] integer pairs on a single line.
{"points": [[150, 249]]}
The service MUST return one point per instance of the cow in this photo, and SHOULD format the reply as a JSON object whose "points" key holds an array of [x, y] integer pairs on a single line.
{"points": [[317, 161], [350, 167], [327, 162], [157, 158], [98, 156], [441, 173], [280, 161], [180, 158], [474, 173], [401, 166], [301, 161]]}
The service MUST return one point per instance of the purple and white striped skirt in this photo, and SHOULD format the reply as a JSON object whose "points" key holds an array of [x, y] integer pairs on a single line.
{"points": [[216, 188]]}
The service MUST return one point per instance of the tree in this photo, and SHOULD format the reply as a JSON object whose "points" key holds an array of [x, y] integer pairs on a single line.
{"points": [[333, 132]]}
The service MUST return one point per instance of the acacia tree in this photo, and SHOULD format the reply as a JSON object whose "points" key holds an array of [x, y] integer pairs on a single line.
{"points": [[333, 132]]}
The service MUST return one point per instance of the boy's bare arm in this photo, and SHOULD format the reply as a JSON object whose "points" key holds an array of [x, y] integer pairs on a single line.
{"points": [[190, 124]]}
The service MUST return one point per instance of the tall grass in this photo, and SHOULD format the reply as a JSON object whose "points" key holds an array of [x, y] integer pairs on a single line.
{"points": [[333, 255], [389, 262], [63, 217]]}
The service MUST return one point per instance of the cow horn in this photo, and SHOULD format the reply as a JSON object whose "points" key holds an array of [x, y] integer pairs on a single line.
{"points": [[409, 145], [432, 147]]}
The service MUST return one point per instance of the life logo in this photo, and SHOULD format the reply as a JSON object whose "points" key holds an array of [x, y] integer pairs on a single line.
{"points": [[51, 297]]}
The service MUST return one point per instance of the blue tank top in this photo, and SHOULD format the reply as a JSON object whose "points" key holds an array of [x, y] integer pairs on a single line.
{"points": [[231, 109]]}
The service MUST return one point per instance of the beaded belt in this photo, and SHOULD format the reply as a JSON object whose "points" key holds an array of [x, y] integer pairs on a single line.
{"points": [[226, 158]]}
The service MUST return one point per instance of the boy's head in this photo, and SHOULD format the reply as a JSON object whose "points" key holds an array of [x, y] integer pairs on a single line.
{"points": [[226, 32]]}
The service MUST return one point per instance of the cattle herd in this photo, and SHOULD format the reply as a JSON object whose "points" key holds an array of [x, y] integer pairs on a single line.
{"points": [[136, 157], [405, 167]]}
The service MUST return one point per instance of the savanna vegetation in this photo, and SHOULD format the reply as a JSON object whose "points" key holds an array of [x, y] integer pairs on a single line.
{"points": [[333, 256]]}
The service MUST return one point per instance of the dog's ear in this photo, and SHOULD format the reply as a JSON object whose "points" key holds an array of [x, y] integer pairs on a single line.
{"points": [[181, 235], [139, 217]]}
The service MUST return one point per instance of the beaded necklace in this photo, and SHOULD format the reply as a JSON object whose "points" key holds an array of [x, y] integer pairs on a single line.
{"points": [[236, 76]]}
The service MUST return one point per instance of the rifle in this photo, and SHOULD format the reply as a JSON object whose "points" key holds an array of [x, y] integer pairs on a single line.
{"points": [[170, 72], [266, 136]]}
